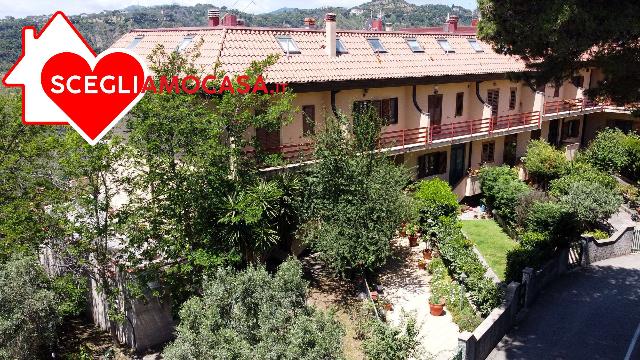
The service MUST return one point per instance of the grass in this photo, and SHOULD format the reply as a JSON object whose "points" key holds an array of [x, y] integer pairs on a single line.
{"points": [[492, 242]]}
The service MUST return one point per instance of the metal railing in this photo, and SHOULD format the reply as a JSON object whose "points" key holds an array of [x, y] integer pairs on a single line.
{"points": [[569, 105]]}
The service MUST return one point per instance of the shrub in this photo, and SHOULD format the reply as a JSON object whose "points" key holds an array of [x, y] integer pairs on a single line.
{"points": [[489, 176], [28, 311], [607, 151], [590, 202], [255, 315], [387, 342], [551, 218], [502, 190], [544, 162], [523, 207], [580, 171], [435, 199], [632, 145], [534, 249]]}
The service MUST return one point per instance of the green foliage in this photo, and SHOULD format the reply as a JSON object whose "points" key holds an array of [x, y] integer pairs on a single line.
{"points": [[28, 310], [353, 202], [553, 219], [435, 199], [386, 342], [607, 151], [254, 315], [544, 162], [71, 294], [590, 201], [598, 234], [502, 189], [571, 30], [533, 251], [580, 171]]}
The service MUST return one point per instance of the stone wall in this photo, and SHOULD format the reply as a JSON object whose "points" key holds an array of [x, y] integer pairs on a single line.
{"points": [[618, 244]]}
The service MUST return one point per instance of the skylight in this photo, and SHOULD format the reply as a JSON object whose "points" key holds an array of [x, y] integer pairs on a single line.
{"points": [[288, 45], [135, 41], [444, 44], [414, 45], [376, 45], [340, 48], [475, 45], [185, 42]]}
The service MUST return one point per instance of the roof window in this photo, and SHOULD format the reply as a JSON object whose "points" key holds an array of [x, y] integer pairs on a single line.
{"points": [[135, 41], [444, 44], [376, 45], [340, 48], [414, 45], [288, 45], [185, 42], [475, 45]]}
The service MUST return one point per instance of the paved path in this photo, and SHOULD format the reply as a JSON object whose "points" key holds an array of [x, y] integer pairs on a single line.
{"points": [[592, 313]]}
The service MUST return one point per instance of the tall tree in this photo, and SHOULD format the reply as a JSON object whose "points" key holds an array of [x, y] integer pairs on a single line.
{"points": [[559, 37]]}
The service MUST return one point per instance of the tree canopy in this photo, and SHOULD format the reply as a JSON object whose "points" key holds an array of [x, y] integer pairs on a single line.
{"points": [[560, 37]]}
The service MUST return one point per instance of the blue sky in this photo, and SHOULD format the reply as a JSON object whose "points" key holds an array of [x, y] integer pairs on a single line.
{"points": [[21, 8]]}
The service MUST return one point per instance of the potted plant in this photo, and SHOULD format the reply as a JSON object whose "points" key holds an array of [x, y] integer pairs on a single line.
{"points": [[436, 304], [387, 305], [413, 232], [427, 254], [422, 264], [374, 295], [403, 229]]}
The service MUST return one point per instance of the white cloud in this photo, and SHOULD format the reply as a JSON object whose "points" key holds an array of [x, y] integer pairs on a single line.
{"points": [[40, 7]]}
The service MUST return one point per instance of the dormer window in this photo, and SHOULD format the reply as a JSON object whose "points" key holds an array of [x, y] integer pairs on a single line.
{"points": [[414, 45], [475, 45], [135, 41], [288, 45], [185, 43], [376, 45], [444, 44], [340, 48]]}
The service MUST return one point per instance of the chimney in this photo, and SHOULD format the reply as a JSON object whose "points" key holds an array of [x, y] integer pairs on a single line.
{"points": [[309, 23], [330, 36], [388, 27], [452, 23], [240, 22], [376, 25], [214, 17], [474, 22], [229, 20]]}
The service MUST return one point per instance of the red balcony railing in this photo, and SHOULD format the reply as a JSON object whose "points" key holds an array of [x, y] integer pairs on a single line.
{"points": [[428, 135], [569, 105]]}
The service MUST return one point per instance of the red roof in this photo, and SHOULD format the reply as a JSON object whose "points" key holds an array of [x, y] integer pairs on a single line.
{"points": [[236, 47]]}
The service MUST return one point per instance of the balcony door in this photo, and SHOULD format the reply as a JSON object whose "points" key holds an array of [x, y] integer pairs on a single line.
{"points": [[493, 99], [435, 109], [509, 156], [457, 167]]}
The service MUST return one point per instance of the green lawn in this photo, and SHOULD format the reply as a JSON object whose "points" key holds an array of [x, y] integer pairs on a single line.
{"points": [[492, 242]]}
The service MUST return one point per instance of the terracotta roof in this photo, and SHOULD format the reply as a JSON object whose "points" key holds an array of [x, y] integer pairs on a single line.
{"points": [[237, 47]]}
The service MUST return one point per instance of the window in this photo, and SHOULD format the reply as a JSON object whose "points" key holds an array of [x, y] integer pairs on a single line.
{"points": [[376, 45], [513, 98], [414, 45], [493, 99], [578, 81], [475, 45], [488, 150], [556, 90], [135, 41], [459, 103], [340, 48], [444, 44], [387, 109], [185, 42], [434, 107], [432, 164], [308, 120], [535, 134], [570, 129], [288, 45]]}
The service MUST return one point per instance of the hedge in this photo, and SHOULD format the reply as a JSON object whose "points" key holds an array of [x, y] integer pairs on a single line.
{"points": [[502, 190], [435, 199]]}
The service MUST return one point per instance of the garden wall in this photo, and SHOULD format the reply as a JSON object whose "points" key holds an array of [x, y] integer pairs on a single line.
{"points": [[618, 244]]}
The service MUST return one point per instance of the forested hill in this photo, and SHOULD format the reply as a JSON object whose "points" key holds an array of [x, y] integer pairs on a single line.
{"points": [[102, 29]]}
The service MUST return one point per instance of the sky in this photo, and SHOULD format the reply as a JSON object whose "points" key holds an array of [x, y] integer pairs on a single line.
{"points": [[22, 8]]}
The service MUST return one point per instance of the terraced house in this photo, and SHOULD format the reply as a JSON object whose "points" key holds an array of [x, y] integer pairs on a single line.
{"points": [[445, 95]]}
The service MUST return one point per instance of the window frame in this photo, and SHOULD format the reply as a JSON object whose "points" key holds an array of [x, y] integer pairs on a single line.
{"points": [[184, 44], [375, 39], [308, 121], [379, 105], [136, 40], [513, 98], [475, 45], [570, 129], [339, 43], [451, 49], [488, 154], [419, 49], [432, 164], [459, 104], [290, 41]]}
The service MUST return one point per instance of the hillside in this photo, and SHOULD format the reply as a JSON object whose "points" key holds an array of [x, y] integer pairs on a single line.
{"points": [[102, 29]]}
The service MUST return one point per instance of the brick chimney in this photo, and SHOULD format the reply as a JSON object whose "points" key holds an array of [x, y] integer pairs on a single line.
{"points": [[474, 22], [229, 20], [330, 35], [377, 25], [452, 23], [213, 17], [309, 23]]}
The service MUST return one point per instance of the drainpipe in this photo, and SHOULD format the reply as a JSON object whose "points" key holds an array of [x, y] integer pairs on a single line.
{"points": [[415, 100], [333, 102], [478, 93]]}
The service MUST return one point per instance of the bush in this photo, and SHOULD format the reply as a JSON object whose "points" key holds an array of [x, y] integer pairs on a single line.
{"points": [[28, 311], [607, 151], [435, 199], [533, 251], [489, 176], [632, 145], [551, 218], [502, 190], [254, 315], [590, 202], [580, 171], [386, 342], [544, 162]]}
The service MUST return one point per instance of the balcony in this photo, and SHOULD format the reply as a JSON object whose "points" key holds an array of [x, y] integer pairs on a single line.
{"points": [[405, 140], [570, 107]]}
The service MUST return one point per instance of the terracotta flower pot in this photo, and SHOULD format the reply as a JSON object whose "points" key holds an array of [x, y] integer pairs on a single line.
{"points": [[436, 309], [413, 240], [388, 306], [422, 265], [426, 254], [374, 295]]}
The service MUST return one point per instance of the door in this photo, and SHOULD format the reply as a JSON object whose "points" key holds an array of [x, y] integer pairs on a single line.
{"points": [[457, 167], [510, 146], [553, 132], [435, 109]]}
